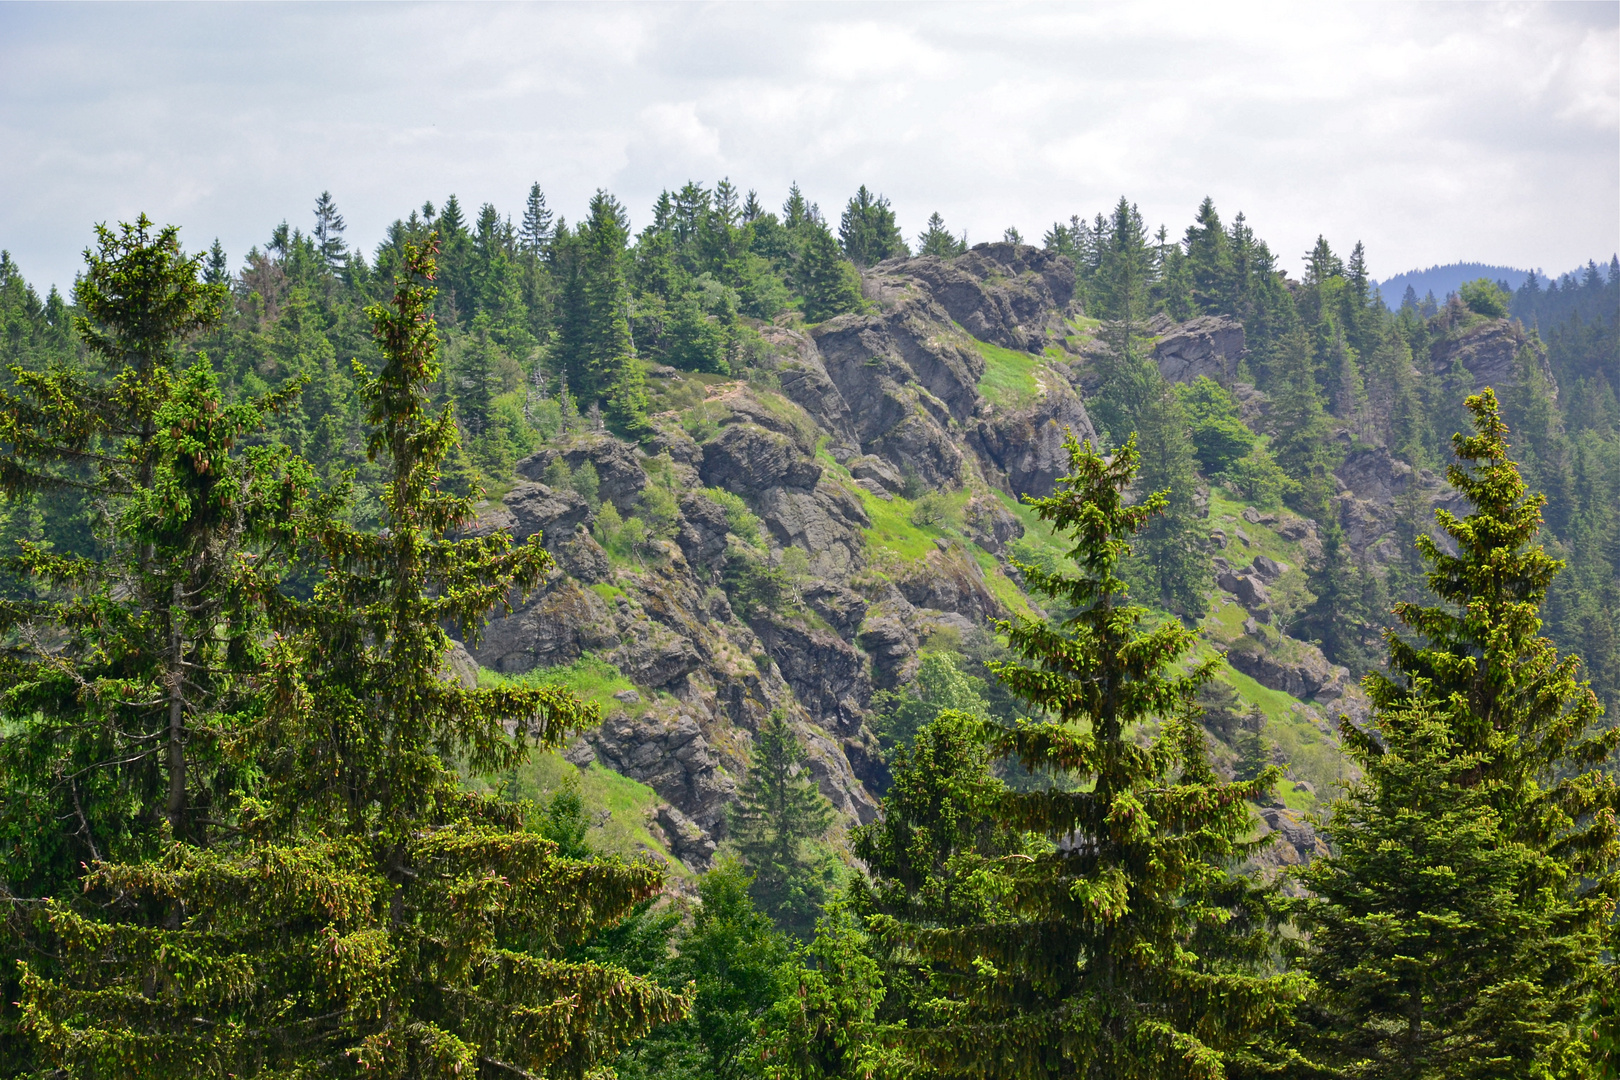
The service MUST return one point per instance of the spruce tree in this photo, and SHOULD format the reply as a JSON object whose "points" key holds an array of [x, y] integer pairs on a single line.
{"points": [[594, 330], [830, 285], [937, 240], [328, 232], [371, 915], [1126, 949], [777, 813], [534, 235], [1458, 928], [867, 230]]}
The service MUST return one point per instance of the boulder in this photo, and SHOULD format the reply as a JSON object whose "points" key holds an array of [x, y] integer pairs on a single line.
{"points": [[878, 471], [618, 466], [686, 838], [1209, 345], [702, 532], [1246, 586], [825, 672]]}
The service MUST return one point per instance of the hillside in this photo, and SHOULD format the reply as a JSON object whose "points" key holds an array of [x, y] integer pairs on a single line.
{"points": [[799, 477]]}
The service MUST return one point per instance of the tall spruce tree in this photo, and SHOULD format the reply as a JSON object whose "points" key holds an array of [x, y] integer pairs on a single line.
{"points": [[371, 915], [1458, 927], [867, 230], [1118, 954], [777, 813], [831, 286], [936, 239], [595, 345]]}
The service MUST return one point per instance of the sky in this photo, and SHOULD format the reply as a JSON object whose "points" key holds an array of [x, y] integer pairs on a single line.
{"points": [[1431, 132]]}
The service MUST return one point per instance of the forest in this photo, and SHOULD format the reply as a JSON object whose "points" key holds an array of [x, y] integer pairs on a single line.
{"points": [[759, 645]]}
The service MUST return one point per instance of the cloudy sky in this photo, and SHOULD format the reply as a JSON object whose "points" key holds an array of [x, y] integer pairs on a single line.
{"points": [[1434, 133]]}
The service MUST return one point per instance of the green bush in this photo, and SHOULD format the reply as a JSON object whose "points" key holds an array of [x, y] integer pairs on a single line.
{"points": [[1219, 437], [1483, 297]]}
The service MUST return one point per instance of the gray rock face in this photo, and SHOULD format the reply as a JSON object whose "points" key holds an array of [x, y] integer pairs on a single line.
{"points": [[745, 459], [1026, 447], [686, 838], [1297, 842], [1209, 345], [460, 667], [991, 525], [844, 609], [553, 627], [826, 673], [1303, 678], [887, 637], [617, 464], [1489, 351], [554, 513], [702, 534], [657, 656], [951, 582], [670, 754], [826, 523], [805, 382], [880, 472], [1002, 293]]}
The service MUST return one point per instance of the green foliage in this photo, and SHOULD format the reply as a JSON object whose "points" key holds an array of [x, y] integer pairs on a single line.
{"points": [[367, 911], [867, 231], [777, 814], [1116, 954], [831, 286], [1457, 928], [939, 685], [1483, 297], [936, 240], [1219, 436]]}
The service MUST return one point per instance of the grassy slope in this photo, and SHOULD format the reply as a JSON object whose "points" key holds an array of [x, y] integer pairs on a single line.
{"points": [[619, 806]]}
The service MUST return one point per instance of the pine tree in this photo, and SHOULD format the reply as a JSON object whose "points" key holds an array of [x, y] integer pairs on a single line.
{"points": [[328, 232], [1172, 558], [218, 269], [1458, 927], [1210, 263], [777, 812], [1118, 954], [594, 330], [937, 240], [97, 668], [867, 230], [830, 285], [371, 914], [535, 234]]}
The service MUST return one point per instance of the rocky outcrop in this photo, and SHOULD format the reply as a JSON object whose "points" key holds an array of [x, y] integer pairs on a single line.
{"points": [[553, 627], [667, 751], [1491, 350], [1007, 294], [1024, 448], [826, 673], [1209, 345], [747, 459], [1301, 675], [947, 580], [825, 523], [617, 464]]}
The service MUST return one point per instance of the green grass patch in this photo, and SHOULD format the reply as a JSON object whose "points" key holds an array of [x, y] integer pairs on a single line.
{"points": [[608, 592], [1009, 375], [588, 678], [617, 807], [891, 528]]}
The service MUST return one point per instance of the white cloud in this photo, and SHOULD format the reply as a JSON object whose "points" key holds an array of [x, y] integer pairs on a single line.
{"points": [[1431, 132]]}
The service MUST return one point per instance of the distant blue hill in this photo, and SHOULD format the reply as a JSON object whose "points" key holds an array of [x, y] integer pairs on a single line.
{"points": [[1446, 279]]}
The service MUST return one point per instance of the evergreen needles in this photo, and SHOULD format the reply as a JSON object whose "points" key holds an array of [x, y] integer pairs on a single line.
{"points": [[1122, 949]]}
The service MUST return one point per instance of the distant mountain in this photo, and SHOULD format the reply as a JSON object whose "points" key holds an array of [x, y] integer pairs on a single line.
{"points": [[1446, 279]]}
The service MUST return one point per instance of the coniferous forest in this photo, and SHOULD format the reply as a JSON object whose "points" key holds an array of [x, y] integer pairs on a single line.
{"points": [[757, 642]]}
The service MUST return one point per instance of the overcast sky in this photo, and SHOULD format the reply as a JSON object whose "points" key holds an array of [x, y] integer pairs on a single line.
{"points": [[1434, 133]]}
